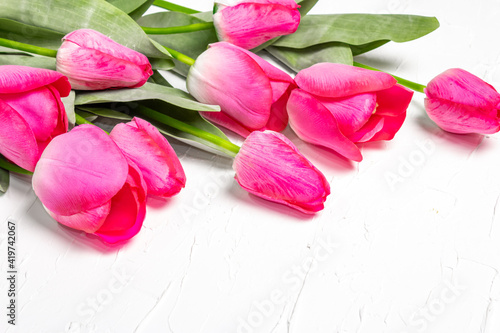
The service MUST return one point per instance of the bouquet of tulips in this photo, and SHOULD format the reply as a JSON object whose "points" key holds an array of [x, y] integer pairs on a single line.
{"points": [[65, 64]]}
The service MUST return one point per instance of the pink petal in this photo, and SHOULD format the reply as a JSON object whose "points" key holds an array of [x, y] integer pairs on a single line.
{"points": [[142, 143], [17, 141], [393, 101], [220, 118], [278, 120], [226, 76], [93, 69], [270, 166], [88, 160], [339, 80], [88, 221], [374, 125], [459, 118], [314, 123], [287, 3], [351, 112], [250, 24], [461, 87], [16, 79], [38, 107], [128, 209], [94, 40], [390, 128]]}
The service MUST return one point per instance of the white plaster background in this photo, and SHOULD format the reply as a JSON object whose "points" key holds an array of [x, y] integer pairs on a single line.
{"points": [[421, 255]]}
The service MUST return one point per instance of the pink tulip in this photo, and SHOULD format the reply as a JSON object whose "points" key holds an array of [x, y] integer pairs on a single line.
{"points": [[142, 143], [270, 166], [251, 92], [338, 106], [250, 23], [85, 182], [460, 102], [93, 61], [31, 112]]}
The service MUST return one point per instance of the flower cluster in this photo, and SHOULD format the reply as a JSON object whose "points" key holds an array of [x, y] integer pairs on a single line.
{"points": [[97, 182]]}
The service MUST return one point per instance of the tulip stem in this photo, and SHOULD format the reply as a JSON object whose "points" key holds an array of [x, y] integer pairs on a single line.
{"points": [[181, 126], [179, 56], [4, 164], [178, 29], [173, 7], [407, 83], [27, 48]]}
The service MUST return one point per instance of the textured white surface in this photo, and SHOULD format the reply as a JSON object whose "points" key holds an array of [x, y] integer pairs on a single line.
{"points": [[419, 255]]}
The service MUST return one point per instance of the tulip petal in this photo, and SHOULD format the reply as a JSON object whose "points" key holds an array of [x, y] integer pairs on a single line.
{"points": [[339, 80], [226, 76], [278, 120], [16, 79], [88, 221], [38, 107], [314, 123], [287, 3], [369, 130], [390, 128], [17, 140], [351, 112], [249, 25], [270, 166], [89, 69], [393, 101], [142, 143], [220, 118], [87, 160], [128, 209], [461, 119], [93, 40], [461, 87]]}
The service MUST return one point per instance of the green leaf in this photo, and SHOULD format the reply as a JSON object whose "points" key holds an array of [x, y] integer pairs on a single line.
{"points": [[86, 115], [137, 14], [358, 29], [191, 44], [128, 6], [360, 49], [105, 112], [64, 17], [69, 106], [164, 64], [159, 79], [298, 59], [4, 180], [204, 16], [191, 118], [29, 34], [5, 164], [27, 60], [146, 92], [306, 6]]}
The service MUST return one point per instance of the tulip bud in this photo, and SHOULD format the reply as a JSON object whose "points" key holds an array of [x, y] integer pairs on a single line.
{"points": [[86, 183], [31, 112], [142, 143], [460, 102], [250, 23], [251, 92], [270, 166], [338, 106], [92, 61]]}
